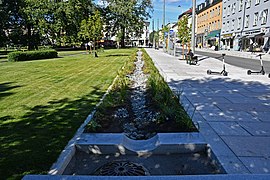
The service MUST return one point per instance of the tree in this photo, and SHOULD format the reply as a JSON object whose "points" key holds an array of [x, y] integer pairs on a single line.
{"points": [[165, 30], [184, 31], [11, 21], [126, 17], [57, 21], [91, 29], [154, 38]]}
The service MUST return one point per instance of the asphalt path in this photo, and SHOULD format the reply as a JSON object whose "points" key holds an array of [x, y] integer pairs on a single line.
{"points": [[247, 63]]}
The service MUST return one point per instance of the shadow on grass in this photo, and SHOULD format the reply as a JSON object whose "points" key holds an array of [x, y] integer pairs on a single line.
{"points": [[3, 57], [4, 87], [32, 143], [117, 55]]}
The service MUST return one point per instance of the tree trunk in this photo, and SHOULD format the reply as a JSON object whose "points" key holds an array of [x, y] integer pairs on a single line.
{"points": [[183, 50], [123, 37], [29, 38]]}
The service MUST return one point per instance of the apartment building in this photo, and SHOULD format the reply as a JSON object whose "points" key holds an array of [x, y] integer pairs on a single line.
{"points": [[209, 23], [246, 25]]}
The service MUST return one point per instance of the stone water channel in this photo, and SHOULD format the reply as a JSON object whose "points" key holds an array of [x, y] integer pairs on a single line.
{"points": [[138, 128], [137, 152]]}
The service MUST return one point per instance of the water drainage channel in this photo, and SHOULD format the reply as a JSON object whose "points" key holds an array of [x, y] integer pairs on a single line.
{"points": [[119, 154], [163, 154]]}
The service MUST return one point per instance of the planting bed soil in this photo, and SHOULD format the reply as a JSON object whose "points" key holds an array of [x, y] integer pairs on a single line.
{"points": [[147, 105]]}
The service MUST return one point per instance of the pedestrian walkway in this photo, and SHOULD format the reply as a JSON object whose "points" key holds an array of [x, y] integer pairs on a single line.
{"points": [[232, 112]]}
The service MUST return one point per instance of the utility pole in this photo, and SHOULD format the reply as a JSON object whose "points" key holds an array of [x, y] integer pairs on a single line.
{"points": [[164, 41], [243, 25], [158, 33], [193, 25], [153, 23]]}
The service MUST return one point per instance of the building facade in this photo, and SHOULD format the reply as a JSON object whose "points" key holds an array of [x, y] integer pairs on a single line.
{"points": [[246, 25], [209, 23], [143, 39]]}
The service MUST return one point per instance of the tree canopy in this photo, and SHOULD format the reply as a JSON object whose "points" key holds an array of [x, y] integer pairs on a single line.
{"points": [[58, 22], [91, 29], [126, 17], [183, 30]]}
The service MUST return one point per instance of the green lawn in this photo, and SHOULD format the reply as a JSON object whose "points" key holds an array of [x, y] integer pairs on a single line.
{"points": [[67, 53], [42, 103]]}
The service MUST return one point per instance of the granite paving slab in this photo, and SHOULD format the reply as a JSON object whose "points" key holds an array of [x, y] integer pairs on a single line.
{"points": [[263, 116], [243, 107], [238, 130], [245, 100], [248, 145], [228, 128], [211, 100], [257, 165], [257, 129], [225, 116]]}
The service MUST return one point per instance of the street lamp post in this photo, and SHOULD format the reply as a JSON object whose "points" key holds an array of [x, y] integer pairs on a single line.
{"points": [[243, 25], [164, 41], [193, 25]]}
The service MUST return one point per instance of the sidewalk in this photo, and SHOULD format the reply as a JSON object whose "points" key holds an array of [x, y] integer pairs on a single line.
{"points": [[250, 55], [233, 112]]}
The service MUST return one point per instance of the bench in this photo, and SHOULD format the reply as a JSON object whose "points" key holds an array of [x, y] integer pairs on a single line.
{"points": [[191, 60]]}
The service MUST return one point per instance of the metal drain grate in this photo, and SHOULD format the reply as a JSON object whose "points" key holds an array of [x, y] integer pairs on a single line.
{"points": [[121, 168]]}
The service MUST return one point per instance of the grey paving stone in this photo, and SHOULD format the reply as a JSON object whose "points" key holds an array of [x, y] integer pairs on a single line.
{"points": [[224, 116], [206, 107], [192, 93], [230, 89], [213, 139], [248, 146], [260, 96], [257, 165], [257, 129], [228, 128], [223, 94], [243, 100], [212, 100], [263, 116], [232, 165], [259, 89], [243, 107]]}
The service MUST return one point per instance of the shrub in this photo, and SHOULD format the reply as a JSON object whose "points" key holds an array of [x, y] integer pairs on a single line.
{"points": [[163, 98], [31, 55]]}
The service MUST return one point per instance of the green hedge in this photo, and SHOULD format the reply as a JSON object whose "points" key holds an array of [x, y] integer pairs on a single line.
{"points": [[31, 55]]}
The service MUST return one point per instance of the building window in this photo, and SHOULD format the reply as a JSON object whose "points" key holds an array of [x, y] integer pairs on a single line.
{"points": [[229, 10], [239, 23], [240, 5], [256, 17], [228, 26], [218, 10], [248, 3], [224, 13], [264, 16], [257, 2], [232, 25], [247, 21]]}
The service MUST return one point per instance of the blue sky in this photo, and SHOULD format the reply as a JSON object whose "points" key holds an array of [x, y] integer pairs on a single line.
{"points": [[171, 8]]}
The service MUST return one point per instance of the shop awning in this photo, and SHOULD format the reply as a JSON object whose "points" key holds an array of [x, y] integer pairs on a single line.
{"points": [[267, 34], [213, 34], [254, 35]]}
